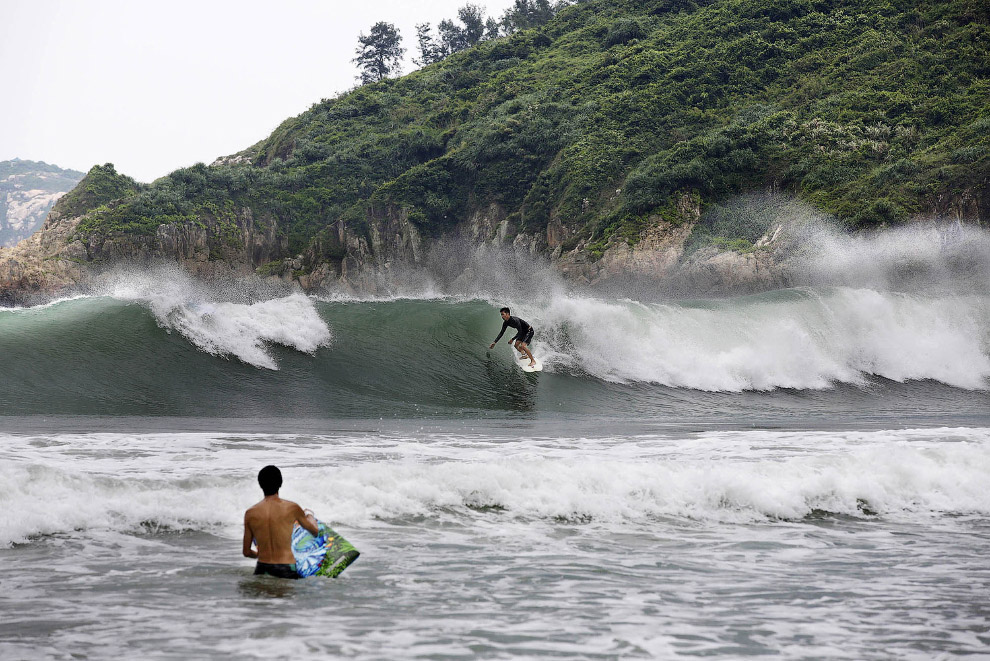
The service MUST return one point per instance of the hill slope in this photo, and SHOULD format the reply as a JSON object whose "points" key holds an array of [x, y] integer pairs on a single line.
{"points": [[617, 118]]}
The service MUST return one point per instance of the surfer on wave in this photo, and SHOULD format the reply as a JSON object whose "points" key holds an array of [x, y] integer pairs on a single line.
{"points": [[269, 524], [524, 335]]}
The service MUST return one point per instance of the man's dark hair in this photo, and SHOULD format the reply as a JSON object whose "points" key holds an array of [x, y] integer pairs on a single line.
{"points": [[270, 479], [505, 310]]}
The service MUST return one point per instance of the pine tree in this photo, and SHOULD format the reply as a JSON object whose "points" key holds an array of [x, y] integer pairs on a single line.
{"points": [[379, 54], [473, 19]]}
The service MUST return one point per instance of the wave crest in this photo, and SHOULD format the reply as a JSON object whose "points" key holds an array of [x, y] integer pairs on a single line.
{"points": [[802, 339], [206, 316]]}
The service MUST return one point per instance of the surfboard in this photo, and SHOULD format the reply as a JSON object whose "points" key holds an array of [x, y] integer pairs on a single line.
{"points": [[327, 554], [523, 362]]}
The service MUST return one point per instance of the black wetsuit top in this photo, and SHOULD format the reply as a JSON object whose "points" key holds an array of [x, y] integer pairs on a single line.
{"points": [[523, 329]]}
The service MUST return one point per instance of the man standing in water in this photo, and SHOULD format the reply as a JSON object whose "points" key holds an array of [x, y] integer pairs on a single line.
{"points": [[524, 334], [269, 525]]}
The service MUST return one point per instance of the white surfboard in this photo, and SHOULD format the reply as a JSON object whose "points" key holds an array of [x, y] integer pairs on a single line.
{"points": [[523, 362]]}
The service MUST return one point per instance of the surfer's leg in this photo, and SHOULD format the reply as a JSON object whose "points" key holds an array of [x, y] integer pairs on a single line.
{"points": [[526, 352], [525, 346]]}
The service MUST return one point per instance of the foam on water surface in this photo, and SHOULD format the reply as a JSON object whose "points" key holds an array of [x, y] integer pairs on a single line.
{"points": [[727, 544], [801, 339], [202, 481]]}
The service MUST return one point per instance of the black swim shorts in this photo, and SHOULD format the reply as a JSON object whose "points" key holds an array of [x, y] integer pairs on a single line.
{"points": [[278, 571], [528, 337]]}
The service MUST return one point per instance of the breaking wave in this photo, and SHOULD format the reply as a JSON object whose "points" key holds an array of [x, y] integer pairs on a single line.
{"points": [[149, 482]]}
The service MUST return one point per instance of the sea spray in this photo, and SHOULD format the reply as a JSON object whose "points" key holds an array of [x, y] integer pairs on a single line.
{"points": [[801, 339], [926, 258], [224, 321]]}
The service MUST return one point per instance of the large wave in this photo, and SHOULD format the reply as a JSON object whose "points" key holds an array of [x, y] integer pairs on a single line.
{"points": [[135, 353], [801, 338], [898, 307], [224, 319]]}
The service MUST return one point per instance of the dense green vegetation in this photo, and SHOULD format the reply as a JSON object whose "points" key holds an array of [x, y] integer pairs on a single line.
{"points": [[101, 186], [870, 110]]}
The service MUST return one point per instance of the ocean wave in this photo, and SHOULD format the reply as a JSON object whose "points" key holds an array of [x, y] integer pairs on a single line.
{"points": [[55, 302], [224, 327], [884, 480], [800, 338], [201, 482]]}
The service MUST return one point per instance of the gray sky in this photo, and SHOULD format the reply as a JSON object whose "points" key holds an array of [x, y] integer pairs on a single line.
{"points": [[152, 87]]}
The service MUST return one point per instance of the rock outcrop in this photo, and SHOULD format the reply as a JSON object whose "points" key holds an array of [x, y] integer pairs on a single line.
{"points": [[382, 254], [46, 262], [389, 251], [61, 256]]}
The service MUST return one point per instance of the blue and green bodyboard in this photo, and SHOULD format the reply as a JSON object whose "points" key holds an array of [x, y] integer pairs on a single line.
{"points": [[326, 554]]}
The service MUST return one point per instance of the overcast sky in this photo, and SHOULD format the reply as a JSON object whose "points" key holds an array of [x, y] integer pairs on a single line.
{"points": [[152, 87]]}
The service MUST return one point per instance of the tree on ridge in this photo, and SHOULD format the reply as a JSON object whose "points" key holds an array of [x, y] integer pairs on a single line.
{"points": [[475, 27], [379, 54]]}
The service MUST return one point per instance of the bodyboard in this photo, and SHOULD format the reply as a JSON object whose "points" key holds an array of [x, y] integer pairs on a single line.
{"points": [[327, 554], [523, 363]]}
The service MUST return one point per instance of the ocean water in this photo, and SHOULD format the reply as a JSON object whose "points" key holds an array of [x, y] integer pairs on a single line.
{"points": [[801, 474]]}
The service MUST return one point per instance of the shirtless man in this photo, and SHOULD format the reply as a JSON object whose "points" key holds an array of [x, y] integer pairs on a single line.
{"points": [[269, 525], [524, 334]]}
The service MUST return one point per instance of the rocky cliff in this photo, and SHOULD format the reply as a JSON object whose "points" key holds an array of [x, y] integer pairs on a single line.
{"points": [[60, 258], [394, 251], [66, 254]]}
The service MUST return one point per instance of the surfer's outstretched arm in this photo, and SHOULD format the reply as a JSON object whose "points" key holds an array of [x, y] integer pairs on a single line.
{"points": [[505, 324]]}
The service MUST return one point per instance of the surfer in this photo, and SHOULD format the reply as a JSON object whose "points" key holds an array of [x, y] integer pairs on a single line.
{"points": [[269, 523], [524, 335]]}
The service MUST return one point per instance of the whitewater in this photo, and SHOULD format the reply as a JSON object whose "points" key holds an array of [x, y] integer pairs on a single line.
{"points": [[799, 473]]}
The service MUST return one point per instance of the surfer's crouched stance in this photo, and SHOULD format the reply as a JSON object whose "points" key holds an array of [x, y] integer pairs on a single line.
{"points": [[524, 334], [269, 525]]}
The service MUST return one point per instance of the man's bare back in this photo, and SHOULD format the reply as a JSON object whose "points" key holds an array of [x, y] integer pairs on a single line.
{"points": [[269, 523]]}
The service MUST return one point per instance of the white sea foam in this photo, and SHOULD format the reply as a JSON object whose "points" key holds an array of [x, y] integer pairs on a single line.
{"points": [[224, 322], [347, 297], [890, 480], [58, 484], [669, 546], [42, 306], [807, 338]]}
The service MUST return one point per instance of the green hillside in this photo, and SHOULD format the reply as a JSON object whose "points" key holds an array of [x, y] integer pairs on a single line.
{"points": [[870, 110]]}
